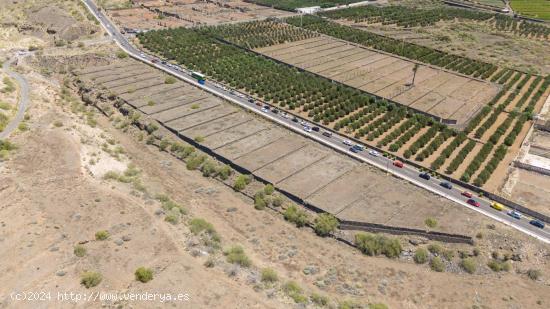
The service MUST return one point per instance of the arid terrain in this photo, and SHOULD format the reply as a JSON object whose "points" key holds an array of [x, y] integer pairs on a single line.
{"points": [[88, 195]]}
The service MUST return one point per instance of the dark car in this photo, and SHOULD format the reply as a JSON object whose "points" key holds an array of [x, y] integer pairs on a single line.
{"points": [[295, 119], [316, 129], [473, 202], [327, 134], [251, 100], [537, 223], [275, 111], [425, 176], [446, 185]]}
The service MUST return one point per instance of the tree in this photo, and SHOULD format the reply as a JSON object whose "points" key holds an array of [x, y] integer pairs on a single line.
{"points": [[414, 69]]}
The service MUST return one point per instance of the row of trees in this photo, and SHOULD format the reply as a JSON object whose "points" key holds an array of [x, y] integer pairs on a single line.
{"points": [[446, 153], [476, 162], [398, 47]]}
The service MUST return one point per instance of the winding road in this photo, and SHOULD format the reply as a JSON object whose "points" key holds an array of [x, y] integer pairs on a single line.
{"points": [[335, 141], [23, 99]]}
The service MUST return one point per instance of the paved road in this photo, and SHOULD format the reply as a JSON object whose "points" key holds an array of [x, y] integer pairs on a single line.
{"points": [[335, 141], [23, 100]]}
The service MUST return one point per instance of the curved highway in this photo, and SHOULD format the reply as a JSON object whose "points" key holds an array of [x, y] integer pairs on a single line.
{"points": [[334, 141]]}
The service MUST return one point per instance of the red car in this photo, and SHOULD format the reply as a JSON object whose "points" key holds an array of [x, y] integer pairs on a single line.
{"points": [[398, 163], [467, 194], [473, 202]]}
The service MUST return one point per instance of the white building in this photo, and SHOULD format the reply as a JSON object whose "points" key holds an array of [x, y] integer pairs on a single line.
{"points": [[309, 10]]}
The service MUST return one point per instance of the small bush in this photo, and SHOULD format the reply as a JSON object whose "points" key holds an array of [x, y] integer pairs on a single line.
{"points": [[435, 249], [430, 222], [58, 124], [259, 201], [199, 139], [469, 265], [448, 254], [210, 263], [144, 274], [169, 80], [121, 55], [295, 215], [499, 265], [198, 225], [349, 304], [325, 224], [90, 279], [319, 300], [420, 256], [378, 306], [195, 161], [437, 264], [277, 201], [102, 235], [79, 250], [172, 218], [269, 189], [374, 245], [240, 182], [292, 287], [209, 168], [534, 274], [236, 255], [224, 172], [269, 275]]}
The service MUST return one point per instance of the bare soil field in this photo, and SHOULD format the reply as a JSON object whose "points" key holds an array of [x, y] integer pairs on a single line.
{"points": [[477, 40], [144, 19], [440, 93]]}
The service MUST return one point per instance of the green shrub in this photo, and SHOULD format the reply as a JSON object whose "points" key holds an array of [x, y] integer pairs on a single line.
{"points": [[209, 168], [121, 54], [198, 225], [259, 201], [102, 235], [437, 264], [269, 275], [224, 172], [144, 274], [269, 189], [79, 250], [373, 245], [236, 255], [295, 215], [469, 265], [435, 249], [164, 143], [534, 274], [199, 139], [195, 161], [448, 254], [294, 291], [240, 182], [169, 80], [277, 201], [430, 222], [420, 256], [319, 300], [90, 279], [325, 224], [499, 265], [349, 304], [378, 306], [172, 218]]}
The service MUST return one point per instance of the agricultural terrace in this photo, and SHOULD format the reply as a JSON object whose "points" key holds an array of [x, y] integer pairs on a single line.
{"points": [[289, 161], [408, 17], [354, 112], [451, 97], [401, 48], [291, 5], [532, 8]]}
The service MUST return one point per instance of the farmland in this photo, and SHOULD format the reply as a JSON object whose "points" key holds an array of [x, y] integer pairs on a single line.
{"points": [[532, 8], [305, 169], [291, 5], [490, 139]]}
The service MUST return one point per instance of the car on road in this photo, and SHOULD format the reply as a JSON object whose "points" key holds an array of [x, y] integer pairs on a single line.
{"points": [[307, 129], [316, 129], [398, 163], [473, 202], [347, 143], [537, 223], [497, 206], [374, 153], [446, 185], [251, 100], [467, 194], [275, 111], [265, 110], [294, 119], [258, 104], [285, 115], [327, 134], [514, 214], [425, 176]]}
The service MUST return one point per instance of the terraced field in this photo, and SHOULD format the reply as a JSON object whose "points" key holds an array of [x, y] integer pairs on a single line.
{"points": [[303, 168]]}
